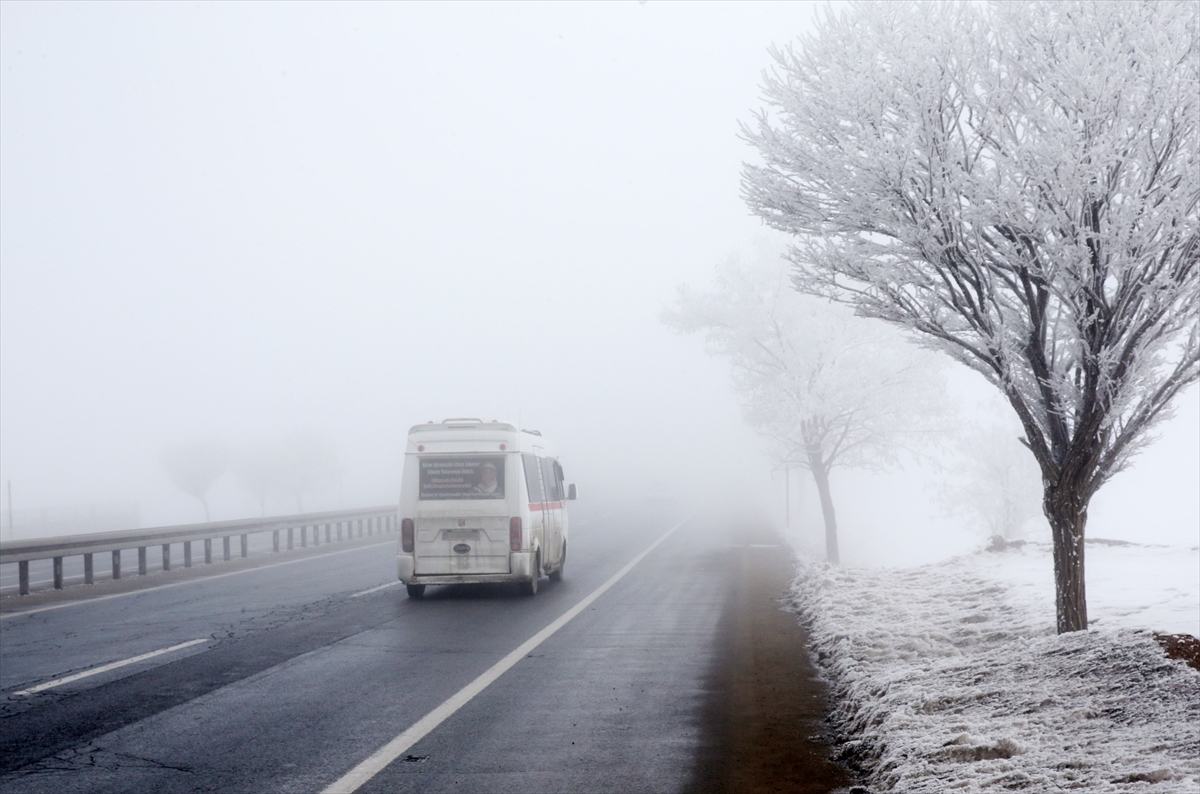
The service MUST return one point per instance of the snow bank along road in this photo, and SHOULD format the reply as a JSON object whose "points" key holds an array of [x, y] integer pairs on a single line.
{"points": [[303, 677], [950, 677]]}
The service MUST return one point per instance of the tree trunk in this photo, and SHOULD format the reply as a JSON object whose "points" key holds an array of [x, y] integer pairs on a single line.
{"points": [[207, 517], [820, 473], [1068, 518]]}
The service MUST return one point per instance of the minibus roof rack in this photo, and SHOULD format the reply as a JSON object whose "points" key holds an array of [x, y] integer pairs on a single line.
{"points": [[464, 424]]}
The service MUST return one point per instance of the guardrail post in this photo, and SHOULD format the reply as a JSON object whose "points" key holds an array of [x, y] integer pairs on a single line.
{"points": [[290, 532], [141, 560], [187, 554], [89, 573], [303, 537], [327, 533], [316, 534], [116, 564], [58, 573], [23, 577], [360, 528], [225, 548], [208, 551], [339, 531], [166, 556], [245, 545], [275, 540]]}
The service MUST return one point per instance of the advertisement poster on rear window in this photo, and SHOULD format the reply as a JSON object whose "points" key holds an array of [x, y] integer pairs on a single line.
{"points": [[474, 477]]}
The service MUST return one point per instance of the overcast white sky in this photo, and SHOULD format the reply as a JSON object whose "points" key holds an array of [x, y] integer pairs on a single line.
{"points": [[241, 220]]}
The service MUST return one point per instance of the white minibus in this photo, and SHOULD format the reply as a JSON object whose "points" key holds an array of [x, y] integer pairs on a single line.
{"points": [[480, 502]]}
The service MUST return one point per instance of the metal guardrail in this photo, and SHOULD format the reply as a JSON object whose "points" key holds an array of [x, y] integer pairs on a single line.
{"points": [[22, 552]]}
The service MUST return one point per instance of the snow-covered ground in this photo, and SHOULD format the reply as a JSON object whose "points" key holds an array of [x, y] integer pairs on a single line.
{"points": [[950, 677]]}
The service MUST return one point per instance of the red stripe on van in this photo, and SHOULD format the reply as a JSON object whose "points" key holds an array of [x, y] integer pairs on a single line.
{"points": [[545, 506]]}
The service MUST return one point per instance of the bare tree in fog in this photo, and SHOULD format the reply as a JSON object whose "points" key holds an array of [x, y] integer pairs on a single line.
{"points": [[825, 388], [194, 466], [308, 461], [1018, 184], [258, 472], [289, 466], [992, 481]]}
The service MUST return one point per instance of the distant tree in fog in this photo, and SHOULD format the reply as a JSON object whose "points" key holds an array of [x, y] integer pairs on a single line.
{"points": [[991, 479], [194, 466], [825, 388], [1018, 184], [258, 472], [289, 466], [308, 462]]}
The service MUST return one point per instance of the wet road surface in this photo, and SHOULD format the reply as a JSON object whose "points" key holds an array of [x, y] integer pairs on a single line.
{"points": [[304, 670]]}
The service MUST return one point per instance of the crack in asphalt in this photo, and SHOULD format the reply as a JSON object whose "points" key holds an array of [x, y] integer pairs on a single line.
{"points": [[93, 757]]}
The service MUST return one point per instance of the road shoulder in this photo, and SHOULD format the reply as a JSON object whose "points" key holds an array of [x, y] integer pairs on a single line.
{"points": [[765, 727]]}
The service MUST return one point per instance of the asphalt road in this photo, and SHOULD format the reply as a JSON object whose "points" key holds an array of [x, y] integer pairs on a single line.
{"points": [[301, 671]]}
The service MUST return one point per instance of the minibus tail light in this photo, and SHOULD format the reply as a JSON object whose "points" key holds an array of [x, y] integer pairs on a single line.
{"points": [[514, 533], [406, 535]]}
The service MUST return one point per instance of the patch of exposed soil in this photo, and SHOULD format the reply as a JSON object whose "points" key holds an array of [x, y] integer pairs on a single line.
{"points": [[765, 726], [1181, 646]]}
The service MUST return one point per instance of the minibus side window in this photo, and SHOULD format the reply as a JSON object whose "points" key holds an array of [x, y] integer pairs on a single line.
{"points": [[559, 478], [533, 478], [553, 492]]}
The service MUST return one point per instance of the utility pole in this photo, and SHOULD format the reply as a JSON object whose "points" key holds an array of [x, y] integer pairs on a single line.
{"points": [[787, 498]]}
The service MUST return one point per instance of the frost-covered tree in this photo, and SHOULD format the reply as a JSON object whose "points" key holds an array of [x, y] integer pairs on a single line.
{"points": [[194, 466], [825, 388], [1018, 185]]}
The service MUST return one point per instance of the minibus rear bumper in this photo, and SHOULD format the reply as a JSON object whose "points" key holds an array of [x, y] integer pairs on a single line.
{"points": [[520, 567]]}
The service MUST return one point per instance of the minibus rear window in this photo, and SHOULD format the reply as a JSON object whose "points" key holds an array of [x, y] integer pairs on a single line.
{"points": [[466, 477]]}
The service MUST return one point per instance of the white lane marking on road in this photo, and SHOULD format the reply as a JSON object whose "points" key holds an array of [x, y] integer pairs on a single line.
{"points": [[104, 668], [375, 589], [356, 777], [193, 581], [39, 582], [68, 581]]}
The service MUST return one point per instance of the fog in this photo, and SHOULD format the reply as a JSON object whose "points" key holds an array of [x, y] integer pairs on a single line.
{"points": [[245, 223]]}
